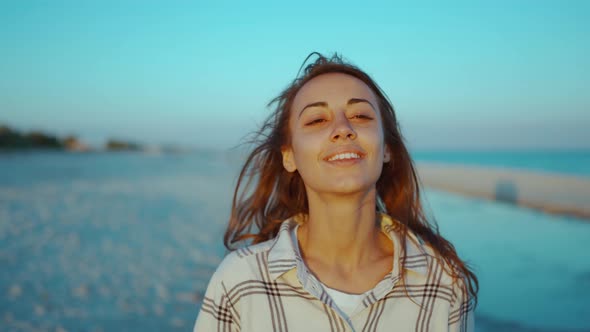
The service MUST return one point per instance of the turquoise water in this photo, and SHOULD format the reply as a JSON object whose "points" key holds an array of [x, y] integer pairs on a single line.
{"points": [[127, 242], [574, 162]]}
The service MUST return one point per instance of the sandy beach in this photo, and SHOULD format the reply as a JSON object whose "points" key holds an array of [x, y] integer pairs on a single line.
{"points": [[551, 193]]}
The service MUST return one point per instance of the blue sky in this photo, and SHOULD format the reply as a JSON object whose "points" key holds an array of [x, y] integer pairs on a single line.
{"points": [[492, 75]]}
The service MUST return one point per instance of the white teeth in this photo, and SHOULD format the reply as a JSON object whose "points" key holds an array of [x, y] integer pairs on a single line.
{"points": [[346, 155]]}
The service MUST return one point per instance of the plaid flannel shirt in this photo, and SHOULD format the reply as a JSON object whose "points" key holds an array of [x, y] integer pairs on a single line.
{"points": [[267, 287]]}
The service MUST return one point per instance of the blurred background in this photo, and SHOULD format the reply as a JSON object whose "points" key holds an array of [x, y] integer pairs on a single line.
{"points": [[120, 121]]}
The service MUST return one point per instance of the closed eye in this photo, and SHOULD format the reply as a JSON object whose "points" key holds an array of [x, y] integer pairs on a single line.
{"points": [[314, 122], [362, 116]]}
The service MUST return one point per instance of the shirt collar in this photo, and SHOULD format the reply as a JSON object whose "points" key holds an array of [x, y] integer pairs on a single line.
{"points": [[283, 255]]}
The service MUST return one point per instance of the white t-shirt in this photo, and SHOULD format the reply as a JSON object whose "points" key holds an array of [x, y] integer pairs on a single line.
{"points": [[345, 301]]}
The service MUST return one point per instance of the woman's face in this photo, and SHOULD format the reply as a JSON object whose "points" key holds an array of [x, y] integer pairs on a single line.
{"points": [[336, 135]]}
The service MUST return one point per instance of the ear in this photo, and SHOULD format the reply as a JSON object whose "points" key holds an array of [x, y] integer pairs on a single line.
{"points": [[386, 155], [288, 161]]}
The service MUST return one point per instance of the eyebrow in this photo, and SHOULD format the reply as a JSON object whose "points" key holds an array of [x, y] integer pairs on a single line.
{"points": [[351, 101]]}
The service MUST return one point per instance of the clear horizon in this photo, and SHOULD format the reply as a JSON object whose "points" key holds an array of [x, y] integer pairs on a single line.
{"points": [[460, 76]]}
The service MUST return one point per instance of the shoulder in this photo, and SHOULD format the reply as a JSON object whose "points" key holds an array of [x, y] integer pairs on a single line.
{"points": [[252, 262], [432, 268], [420, 260], [237, 275], [248, 263], [445, 271], [447, 274]]}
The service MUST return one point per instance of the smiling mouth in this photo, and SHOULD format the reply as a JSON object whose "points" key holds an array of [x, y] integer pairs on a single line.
{"points": [[345, 156]]}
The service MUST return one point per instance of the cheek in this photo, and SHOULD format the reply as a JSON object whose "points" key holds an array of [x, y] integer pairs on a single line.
{"points": [[306, 144], [304, 152], [372, 137]]}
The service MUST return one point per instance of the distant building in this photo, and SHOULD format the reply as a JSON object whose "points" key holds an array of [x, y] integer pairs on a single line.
{"points": [[71, 143], [116, 145]]}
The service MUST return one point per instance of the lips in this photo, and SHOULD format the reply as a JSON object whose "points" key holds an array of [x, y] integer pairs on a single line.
{"points": [[345, 154]]}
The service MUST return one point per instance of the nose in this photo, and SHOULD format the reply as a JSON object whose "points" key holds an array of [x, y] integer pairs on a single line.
{"points": [[342, 129]]}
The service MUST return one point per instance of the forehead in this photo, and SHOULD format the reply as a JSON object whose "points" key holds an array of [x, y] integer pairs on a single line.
{"points": [[332, 88]]}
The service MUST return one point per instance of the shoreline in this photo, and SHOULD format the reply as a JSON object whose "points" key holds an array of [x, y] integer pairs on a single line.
{"points": [[551, 193]]}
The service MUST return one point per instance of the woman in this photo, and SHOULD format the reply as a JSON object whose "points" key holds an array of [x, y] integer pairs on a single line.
{"points": [[331, 231]]}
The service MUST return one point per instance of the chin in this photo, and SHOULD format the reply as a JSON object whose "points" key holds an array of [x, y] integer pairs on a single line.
{"points": [[350, 187]]}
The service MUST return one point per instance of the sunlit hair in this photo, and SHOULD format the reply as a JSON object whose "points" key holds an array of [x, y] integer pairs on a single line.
{"points": [[266, 194]]}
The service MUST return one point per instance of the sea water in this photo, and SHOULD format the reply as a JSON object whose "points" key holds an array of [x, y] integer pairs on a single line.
{"points": [[565, 162], [128, 241]]}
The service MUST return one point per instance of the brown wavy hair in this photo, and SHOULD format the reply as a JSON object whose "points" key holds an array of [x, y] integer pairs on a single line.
{"points": [[266, 194]]}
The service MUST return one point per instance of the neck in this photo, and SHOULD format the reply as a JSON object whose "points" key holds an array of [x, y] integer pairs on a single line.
{"points": [[341, 231]]}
